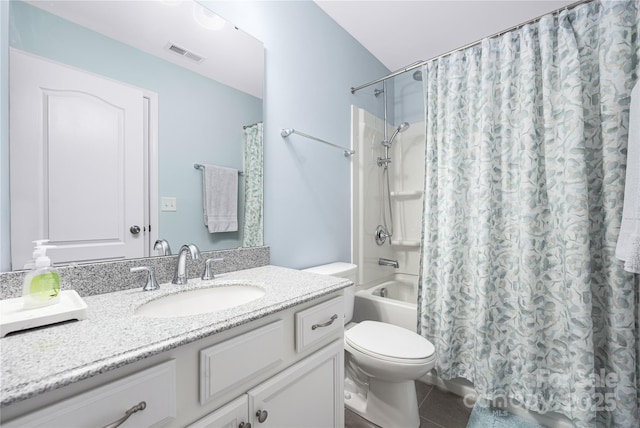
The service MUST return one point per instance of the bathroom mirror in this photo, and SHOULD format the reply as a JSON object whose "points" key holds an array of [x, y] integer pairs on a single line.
{"points": [[203, 78]]}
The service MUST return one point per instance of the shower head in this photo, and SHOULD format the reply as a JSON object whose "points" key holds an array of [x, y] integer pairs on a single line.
{"points": [[401, 128], [417, 75]]}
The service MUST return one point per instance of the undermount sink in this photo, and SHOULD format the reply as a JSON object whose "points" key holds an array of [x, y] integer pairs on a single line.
{"points": [[200, 301]]}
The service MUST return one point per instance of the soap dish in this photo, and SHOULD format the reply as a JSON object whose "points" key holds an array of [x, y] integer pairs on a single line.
{"points": [[14, 318]]}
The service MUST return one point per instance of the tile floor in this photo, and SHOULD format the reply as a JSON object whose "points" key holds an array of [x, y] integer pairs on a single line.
{"points": [[438, 409]]}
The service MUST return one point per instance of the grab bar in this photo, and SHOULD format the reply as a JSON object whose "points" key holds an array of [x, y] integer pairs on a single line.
{"points": [[288, 131]]}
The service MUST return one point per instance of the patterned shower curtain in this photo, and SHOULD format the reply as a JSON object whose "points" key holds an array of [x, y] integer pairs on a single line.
{"points": [[253, 187], [520, 291]]}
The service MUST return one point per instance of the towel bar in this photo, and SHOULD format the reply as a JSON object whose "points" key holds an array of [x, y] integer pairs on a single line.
{"points": [[200, 166], [288, 131]]}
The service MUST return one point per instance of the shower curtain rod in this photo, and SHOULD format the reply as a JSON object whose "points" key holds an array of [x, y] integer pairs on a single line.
{"points": [[249, 126], [417, 64]]}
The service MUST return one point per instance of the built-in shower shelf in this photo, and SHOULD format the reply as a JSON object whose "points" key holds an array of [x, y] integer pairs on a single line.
{"points": [[406, 243], [406, 194]]}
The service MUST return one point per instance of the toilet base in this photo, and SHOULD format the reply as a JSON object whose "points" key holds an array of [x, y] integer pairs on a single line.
{"points": [[387, 404]]}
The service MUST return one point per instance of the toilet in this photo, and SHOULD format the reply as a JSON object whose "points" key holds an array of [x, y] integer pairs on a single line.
{"points": [[382, 362]]}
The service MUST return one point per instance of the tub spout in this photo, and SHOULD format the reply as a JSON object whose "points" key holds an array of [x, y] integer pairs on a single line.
{"points": [[388, 262]]}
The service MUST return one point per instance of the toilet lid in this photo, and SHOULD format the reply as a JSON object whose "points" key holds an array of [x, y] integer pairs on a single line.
{"points": [[388, 340]]}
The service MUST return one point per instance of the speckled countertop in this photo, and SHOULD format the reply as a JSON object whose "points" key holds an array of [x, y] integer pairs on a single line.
{"points": [[112, 336]]}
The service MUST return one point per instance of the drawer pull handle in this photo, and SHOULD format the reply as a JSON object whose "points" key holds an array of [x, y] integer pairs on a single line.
{"points": [[326, 324], [244, 425], [137, 408], [262, 415]]}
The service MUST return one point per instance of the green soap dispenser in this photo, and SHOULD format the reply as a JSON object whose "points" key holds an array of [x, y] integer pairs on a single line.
{"points": [[41, 286]]}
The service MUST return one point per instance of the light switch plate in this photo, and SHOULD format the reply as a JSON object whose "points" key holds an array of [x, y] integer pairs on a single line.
{"points": [[168, 204]]}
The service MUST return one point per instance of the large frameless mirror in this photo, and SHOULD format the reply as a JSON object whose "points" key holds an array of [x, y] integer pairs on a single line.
{"points": [[197, 84]]}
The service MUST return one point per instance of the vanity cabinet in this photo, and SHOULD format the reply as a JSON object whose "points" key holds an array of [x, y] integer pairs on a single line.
{"points": [[306, 395], [286, 367]]}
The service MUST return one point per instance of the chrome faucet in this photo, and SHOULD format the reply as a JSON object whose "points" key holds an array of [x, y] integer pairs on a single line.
{"points": [[180, 275], [162, 246], [388, 262]]}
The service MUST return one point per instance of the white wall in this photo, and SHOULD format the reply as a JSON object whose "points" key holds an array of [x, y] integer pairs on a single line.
{"points": [[406, 181], [367, 133], [407, 187]]}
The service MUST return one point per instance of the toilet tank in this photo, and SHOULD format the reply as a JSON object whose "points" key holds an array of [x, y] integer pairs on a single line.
{"points": [[341, 270]]}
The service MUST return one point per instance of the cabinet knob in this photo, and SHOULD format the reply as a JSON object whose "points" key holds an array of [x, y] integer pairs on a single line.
{"points": [[244, 425], [262, 415]]}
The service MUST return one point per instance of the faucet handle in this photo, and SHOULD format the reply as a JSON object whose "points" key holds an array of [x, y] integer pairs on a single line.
{"points": [[208, 271], [152, 283]]}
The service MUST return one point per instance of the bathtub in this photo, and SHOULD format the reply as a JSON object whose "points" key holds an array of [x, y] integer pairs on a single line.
{"points": [[393, 301]]}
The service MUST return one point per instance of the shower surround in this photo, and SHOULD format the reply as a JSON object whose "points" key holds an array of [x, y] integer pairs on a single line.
{"points": [[406, 183]]}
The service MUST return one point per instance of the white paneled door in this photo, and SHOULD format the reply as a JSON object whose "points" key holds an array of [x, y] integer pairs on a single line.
{"points": [[76, 160]]}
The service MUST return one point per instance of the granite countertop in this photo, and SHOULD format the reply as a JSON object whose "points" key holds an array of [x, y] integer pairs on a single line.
{"points": [[38, 361]]}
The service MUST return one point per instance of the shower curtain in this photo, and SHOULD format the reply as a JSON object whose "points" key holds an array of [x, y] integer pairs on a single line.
{"points": [[253, 187], [520, 291]]}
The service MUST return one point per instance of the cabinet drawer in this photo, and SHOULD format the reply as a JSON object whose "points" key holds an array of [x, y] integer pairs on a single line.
{"points": [[101, 406], [230, 363], [318, 322]]}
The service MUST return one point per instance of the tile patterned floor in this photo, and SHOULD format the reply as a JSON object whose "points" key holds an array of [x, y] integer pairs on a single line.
{"points": [[438, 409]]}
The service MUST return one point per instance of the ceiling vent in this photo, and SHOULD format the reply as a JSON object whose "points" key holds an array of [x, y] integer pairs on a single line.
{"points": [[184, 52]]}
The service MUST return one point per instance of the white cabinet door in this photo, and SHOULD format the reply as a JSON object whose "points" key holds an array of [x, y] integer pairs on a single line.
{"points": [[231, 415], [76, 157], [308, 394]]}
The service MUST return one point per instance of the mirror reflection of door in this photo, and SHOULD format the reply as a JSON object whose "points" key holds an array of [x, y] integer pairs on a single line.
{"points": [[77, 142]]}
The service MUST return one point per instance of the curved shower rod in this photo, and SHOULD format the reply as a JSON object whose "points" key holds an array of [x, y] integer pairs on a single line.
{"points": [[285, 132], [420, 63]]}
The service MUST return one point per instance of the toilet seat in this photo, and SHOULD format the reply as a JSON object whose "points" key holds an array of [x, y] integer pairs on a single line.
{"points": [[389, 342]]}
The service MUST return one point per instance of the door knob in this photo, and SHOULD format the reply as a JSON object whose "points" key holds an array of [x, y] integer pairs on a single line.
{"points": [[262, 415], [134, 229]]}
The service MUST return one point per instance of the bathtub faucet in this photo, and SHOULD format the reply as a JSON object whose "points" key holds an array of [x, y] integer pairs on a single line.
{"points": [[388, 262]]}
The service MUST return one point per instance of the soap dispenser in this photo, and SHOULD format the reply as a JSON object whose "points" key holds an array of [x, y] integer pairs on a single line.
{"points": [[34, 255], [41, 286]]}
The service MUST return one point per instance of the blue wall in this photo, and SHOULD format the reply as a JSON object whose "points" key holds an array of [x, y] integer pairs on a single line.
{"points": [[200, 119], [311, 64]]}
